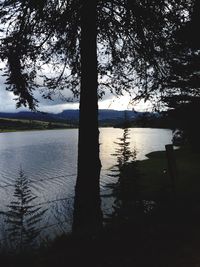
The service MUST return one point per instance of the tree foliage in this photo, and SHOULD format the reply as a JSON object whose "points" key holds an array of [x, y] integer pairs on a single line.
{"points": [[133, 37], [181, 86]]}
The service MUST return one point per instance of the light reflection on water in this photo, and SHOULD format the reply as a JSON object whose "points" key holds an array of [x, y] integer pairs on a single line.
{"points": [[49, 159]]}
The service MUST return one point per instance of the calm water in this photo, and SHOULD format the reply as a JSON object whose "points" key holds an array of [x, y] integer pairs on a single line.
{"points": [[49, 160]]}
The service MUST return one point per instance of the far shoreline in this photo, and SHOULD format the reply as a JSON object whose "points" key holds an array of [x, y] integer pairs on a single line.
{"points": [[35, 130], [76, 127]]}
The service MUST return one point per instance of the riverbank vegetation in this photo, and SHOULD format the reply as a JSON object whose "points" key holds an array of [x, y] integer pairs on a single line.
{"points": [[155, 176], [143, 121], [13, 125]]}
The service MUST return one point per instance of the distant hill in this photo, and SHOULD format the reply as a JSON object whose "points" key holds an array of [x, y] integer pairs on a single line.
{"points": [[106, 116], [28, 115]]}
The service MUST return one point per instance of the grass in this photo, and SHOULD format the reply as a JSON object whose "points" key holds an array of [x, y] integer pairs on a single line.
{"points": [[13, 125], [155, 178]]}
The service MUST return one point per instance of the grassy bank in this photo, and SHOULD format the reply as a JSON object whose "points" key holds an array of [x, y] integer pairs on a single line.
{"points": [[13, 125], [155, 178]]}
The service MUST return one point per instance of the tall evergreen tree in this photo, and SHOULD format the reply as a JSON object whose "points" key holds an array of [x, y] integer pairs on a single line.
{"points": [[181, 87], [118, 44]]}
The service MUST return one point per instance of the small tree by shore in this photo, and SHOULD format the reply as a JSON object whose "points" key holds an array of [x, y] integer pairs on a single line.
{"points": [[22, 216], [125, 189]]}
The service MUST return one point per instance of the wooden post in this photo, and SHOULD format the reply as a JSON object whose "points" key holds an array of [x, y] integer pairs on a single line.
{"points": [[171, 165]]}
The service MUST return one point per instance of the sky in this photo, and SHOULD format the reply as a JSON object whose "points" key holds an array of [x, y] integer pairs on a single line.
{"points": [[8, 104]]}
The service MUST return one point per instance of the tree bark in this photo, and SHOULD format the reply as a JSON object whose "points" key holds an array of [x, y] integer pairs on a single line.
{"points": [[87, 206]]}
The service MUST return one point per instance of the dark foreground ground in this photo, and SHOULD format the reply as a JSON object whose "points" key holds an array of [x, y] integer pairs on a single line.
{"points": [[174, 242]]}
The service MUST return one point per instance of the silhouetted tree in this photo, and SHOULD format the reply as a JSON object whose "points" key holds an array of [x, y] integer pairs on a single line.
{"points": [[125, 190], [123, 151], [181, 87], [22, 216], [123, 154], [129, 38]]}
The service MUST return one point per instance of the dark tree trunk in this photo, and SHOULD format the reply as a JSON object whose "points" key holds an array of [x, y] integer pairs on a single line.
{"points": [[87, 206]]}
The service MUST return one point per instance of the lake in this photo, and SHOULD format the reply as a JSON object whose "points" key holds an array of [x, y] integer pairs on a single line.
{"points": [[49, 160]]}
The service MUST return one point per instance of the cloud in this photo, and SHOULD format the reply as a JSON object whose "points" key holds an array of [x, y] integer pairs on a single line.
{"points": [[8, 104]]}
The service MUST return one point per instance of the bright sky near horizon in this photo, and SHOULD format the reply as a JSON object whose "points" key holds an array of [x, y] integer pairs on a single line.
{"points": [[8, 104]]}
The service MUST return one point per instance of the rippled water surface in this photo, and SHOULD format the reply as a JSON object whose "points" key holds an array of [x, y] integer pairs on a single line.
{"points": [[49, 159]]}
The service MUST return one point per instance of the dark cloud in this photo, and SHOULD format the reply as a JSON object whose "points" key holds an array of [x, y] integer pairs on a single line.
{"points": [[60, 101]]}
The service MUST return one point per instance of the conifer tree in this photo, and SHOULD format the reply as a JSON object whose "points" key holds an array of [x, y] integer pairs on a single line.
{"points": [[126, 187], [181, 86], [23, 216]]}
